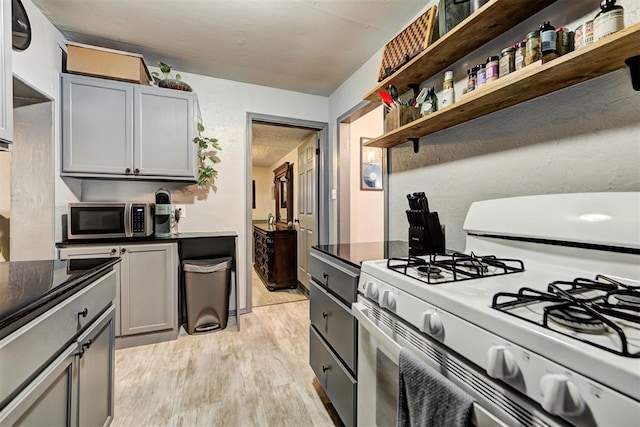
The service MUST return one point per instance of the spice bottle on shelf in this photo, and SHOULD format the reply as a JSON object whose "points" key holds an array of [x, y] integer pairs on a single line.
{"points": [[507, 60], [481, 75], [564, 41], [609, 20], [471, 79], [533, 52], [493, 64], [547, 38], [430, 103], [447, 89], [521, 51]]}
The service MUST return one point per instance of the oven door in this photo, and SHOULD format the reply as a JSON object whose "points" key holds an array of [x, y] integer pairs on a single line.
{"points": [[378, 356]]}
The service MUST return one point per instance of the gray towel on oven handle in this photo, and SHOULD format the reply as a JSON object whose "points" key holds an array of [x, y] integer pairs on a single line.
{"points": [[427, 398]]}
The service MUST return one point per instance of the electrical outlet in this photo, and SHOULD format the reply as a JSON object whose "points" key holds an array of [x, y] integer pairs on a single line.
{"points": [[183, 214]]}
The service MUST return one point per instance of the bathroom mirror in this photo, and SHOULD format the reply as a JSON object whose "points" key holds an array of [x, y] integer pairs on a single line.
{"points": [[283, 188]]}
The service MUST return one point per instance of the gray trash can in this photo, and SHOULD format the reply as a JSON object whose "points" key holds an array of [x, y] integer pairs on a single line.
{"points": [[208, 286]]}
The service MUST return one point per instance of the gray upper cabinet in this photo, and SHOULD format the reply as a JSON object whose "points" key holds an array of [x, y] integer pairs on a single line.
{"points": [[6, 77], [97, 127], [121, 130], [164, 120]]}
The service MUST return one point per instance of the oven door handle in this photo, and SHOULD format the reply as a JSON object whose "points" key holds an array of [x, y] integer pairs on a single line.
{"points": [[390, 347]]}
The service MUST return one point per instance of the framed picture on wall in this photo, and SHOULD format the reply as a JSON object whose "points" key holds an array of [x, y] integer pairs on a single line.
{"points": [[371, 166]]}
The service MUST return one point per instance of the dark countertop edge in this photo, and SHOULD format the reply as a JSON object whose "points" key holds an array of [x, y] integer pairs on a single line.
{"points": [[72, 286], [328, 250], [150, 239]]}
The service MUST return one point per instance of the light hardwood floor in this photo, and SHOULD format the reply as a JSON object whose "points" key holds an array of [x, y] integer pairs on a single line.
{"points": [[259, 376], [260, 295]]}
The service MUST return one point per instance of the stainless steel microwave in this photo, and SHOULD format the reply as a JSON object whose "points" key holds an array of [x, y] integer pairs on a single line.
{"points": [[86, 220]]}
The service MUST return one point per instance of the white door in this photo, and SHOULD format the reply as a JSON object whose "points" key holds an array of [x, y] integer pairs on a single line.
{"points": [[307, 205]]}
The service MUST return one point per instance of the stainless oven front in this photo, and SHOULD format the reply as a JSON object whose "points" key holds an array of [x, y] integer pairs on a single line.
{"points": [[382, 335]]}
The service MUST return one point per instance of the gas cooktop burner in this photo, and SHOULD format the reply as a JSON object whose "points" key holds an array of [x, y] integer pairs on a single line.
{"points": [[593, 306], [576, 319], [454, 267], [430, 272]]}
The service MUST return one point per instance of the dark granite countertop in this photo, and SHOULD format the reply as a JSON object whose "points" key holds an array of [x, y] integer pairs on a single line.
{"points": [[356, 253], [29, 288], [150, 239]]}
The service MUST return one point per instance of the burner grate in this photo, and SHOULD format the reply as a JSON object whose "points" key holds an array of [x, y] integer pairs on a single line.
{"points": [[454, 267], [573, 305]]}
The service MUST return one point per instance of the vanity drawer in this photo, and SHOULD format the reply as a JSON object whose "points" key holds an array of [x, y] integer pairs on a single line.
{"points": [[334, 378], [25, 351], [335, 323], [339, 279]]}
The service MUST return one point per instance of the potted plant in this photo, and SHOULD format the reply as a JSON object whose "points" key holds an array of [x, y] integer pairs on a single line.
{"points": [[169, 81]]}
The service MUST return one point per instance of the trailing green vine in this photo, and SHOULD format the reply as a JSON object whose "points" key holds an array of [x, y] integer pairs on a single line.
{"points": [[206, 169]]}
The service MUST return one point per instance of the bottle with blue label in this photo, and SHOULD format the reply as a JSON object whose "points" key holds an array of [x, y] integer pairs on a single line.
{"points": [[547, 38]]}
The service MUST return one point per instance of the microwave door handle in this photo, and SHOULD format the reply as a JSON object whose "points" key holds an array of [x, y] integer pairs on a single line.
{"points": [[127, 219], [390, 347]]}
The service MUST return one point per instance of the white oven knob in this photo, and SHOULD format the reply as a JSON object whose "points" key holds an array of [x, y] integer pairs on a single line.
{"points": [[388, 300], [501, 363], [371, 290], [431, 322], [560, 396]]}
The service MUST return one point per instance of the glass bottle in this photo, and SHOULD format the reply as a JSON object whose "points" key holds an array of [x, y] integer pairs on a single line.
{"points": [[430, 104]]}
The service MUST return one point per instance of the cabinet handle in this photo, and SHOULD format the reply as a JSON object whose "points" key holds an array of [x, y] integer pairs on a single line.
{"points": [[325, 368], [87, 344], [325, 276], [123, 250], [113, 251], [136, 171], [127, 170], [83, 313], [80, 353], [325, 314]]}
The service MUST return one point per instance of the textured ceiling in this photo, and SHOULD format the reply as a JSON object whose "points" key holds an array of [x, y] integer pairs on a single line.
{"points": [[309, 46], [270, 143]]}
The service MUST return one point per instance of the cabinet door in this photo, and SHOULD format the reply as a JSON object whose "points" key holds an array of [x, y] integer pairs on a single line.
{"points": [[89, 252], [97, 127], [6, 76], [165, 125], [49, 400], [96, 364], [149, 288]]}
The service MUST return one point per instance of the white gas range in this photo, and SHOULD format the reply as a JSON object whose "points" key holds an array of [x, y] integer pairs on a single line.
{"points": [[528, 353]]}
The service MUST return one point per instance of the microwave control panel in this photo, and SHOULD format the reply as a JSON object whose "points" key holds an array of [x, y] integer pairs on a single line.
{"points": [[138, 219]]}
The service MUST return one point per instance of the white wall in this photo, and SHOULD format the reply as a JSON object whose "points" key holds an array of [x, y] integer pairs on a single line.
{"points": [[584, 138], [366, 207], [5, 204], [265, 203], [40, 66]]}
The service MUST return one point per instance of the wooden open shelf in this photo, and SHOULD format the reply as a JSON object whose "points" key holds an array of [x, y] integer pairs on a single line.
{"points": [[488, 22], [594, 60]]}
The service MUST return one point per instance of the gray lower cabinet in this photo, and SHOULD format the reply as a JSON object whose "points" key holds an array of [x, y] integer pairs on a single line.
{"points": [[57, 377], [334, 333], [147, 289], [121, 130]]}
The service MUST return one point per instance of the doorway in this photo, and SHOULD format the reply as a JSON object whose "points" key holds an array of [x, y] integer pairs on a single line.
{"points": [[274, 143]]}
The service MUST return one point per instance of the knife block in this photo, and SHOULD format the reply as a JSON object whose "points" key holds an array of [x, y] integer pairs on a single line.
{"points": [[426, 236], [400, 116]]}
